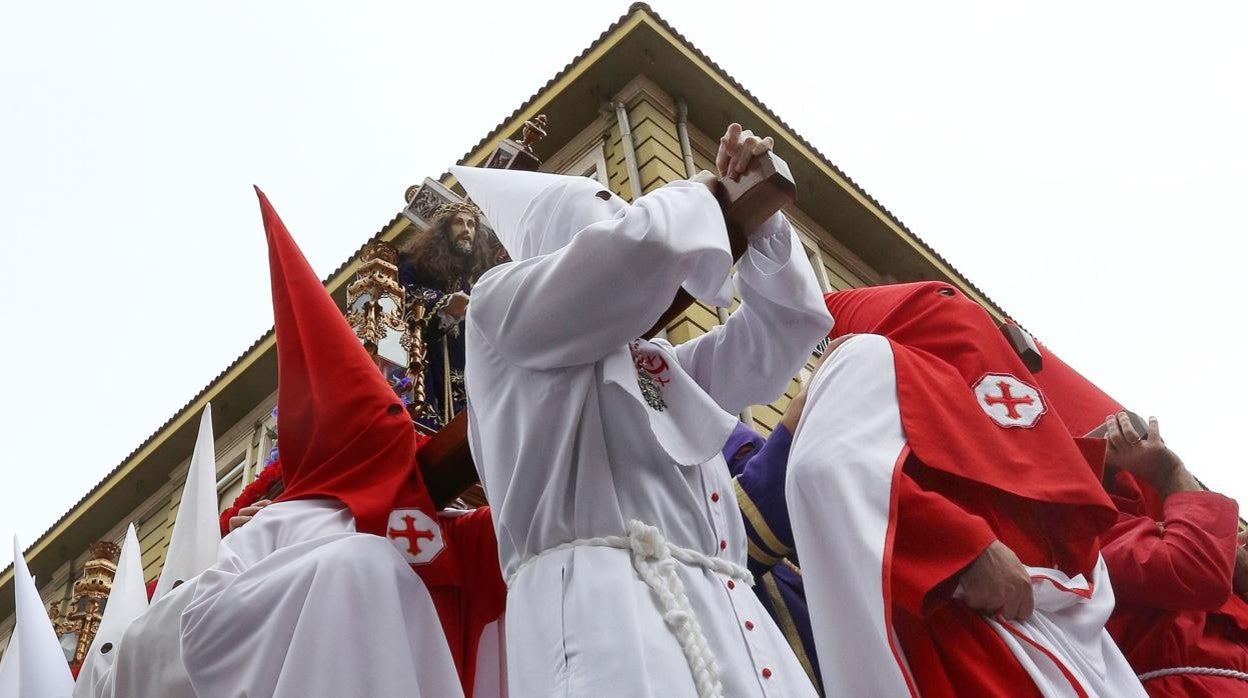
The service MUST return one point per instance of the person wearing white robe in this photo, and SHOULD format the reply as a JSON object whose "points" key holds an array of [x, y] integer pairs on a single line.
{"points": [[306, 600], [149, 660], [34, 665], [148, 656], [299, 604], [196, 532], [127, 600], [581, 465], [293, 587]]}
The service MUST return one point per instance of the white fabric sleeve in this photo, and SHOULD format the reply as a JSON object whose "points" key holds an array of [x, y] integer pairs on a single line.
{"points": [[750, 359], [606, 287]]}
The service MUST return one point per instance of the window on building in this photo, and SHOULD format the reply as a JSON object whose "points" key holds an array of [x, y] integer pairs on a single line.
{"points": [[231, 483], [592, 164], [268, 444], [821, 274]]}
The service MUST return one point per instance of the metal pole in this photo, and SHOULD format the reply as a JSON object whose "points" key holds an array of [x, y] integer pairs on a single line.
{"points": [[630, 153], [682, 131]]}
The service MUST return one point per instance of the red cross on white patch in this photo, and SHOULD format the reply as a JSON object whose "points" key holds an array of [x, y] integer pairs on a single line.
{"points": [[415, 535], [1009, 401]]}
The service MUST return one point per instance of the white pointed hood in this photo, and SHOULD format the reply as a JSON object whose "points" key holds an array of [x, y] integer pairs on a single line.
{"points": [[196, 531], [42, 669], [126, 601], [536, 213]]}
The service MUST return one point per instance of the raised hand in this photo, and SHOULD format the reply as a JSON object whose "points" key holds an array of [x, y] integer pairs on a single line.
{"points": [[457, 306], [1148, 458], [737, 149]]}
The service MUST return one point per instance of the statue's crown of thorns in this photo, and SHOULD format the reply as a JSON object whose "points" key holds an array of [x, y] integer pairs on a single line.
{"points": [[447, 210]]}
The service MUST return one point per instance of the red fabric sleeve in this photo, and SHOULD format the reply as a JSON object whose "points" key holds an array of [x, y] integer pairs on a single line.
{"points": [[935, 539], [1183, 563], [477, 551]]}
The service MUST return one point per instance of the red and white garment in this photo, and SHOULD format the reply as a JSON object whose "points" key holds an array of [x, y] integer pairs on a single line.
{"points": [[316, 596], [842, 490], [918, 447]]}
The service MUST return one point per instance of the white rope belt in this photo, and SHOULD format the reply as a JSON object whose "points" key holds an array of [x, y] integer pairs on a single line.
{"points": [[655, 560], [1197, 670]]}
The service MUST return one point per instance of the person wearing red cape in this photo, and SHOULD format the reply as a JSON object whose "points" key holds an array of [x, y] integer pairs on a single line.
{"points": [[1175, 557], [946, 520], [316, 595]]}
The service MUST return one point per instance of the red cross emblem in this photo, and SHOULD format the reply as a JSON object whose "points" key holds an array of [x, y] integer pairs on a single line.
{"points": [[415, 535], [1009, 401], [650, 361]]}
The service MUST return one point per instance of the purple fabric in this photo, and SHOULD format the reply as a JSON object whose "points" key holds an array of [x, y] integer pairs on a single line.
{"points": [[762, 476], [741, 435]]}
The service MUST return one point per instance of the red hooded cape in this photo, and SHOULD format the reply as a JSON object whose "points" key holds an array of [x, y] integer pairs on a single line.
{"points": [[345, 435], [975, 471]]}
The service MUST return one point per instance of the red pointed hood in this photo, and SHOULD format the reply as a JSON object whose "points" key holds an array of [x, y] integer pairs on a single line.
{"points": [[954, 367], [345, 434]]}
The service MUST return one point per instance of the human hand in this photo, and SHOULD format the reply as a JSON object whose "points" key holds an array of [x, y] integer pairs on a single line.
{"points": [[1148, 458], [246, 513], [457, 306], [997, 582], [737, 149]]}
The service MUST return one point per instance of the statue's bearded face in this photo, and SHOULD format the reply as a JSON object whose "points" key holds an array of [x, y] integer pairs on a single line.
{"points": [[461, 232]]}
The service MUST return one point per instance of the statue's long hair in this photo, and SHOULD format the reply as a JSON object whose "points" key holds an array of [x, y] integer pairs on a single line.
{"points": [[432, 255]]}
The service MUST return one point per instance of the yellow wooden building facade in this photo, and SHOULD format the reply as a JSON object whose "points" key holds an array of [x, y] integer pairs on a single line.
{"points": [[637, 109]]}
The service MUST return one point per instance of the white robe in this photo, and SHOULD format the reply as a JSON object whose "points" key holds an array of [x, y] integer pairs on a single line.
{"points": [[568, 448], [149, 658], [299, 604], [848, 445]]}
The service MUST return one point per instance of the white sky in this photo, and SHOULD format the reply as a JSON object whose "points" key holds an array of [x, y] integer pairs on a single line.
{"points": [[1082, 162]]}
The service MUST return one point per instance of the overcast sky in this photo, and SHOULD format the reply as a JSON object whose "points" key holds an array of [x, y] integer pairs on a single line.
{"points": [[1084, 163]]}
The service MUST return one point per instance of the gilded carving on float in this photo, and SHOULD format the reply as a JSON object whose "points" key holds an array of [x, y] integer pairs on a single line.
{"points": [[86, 606]]}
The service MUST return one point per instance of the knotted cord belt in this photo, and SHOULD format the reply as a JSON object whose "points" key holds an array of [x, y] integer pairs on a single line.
{"points": [[655, 560], [1197, 670]]}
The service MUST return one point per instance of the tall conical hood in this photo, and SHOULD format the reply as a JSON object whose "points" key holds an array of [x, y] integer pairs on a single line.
{"points": [[345, 434], [127, 600], [196, 531], [42, 669]]}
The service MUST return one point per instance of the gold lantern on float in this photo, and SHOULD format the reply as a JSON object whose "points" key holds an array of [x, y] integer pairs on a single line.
{"points": [[86, 606], [375, 312]]}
